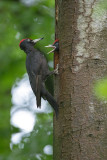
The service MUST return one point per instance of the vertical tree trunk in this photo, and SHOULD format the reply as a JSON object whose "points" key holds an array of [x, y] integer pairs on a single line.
{"points": [[80, 133]]}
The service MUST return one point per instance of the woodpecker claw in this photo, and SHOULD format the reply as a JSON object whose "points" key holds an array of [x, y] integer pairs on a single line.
{"points": [[56, 70]]}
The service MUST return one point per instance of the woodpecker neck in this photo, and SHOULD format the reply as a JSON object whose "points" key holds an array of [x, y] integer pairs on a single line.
{"points": [[28, 49]]}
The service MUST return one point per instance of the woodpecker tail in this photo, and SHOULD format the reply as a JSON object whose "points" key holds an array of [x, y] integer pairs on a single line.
{"points": [[50, 99], [38, 89]]}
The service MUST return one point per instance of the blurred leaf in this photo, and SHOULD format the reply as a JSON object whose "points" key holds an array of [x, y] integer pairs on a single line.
{"points": [[101, 89]]}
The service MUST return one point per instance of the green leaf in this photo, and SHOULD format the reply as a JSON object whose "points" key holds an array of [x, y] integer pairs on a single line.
{"points": [[101, 89]]}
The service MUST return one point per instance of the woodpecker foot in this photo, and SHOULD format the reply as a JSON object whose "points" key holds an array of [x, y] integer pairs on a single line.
{"points": [[56, 70]]}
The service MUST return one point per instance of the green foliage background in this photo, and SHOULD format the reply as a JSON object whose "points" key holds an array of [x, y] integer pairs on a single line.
{"points": [[18, 21]]}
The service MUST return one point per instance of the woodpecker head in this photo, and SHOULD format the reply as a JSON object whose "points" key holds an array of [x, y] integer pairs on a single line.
{"points": [[25, 43], [55, 46]]}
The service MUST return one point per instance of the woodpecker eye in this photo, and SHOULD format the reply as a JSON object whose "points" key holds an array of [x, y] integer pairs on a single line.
{"points": [[28, 40]]}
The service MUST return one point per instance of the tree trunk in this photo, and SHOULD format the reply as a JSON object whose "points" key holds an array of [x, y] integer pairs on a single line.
{"points": [[80, 132]]}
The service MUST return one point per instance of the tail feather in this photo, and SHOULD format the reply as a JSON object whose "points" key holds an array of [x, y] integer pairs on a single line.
{"points": [[51, 100], [38, 89]]}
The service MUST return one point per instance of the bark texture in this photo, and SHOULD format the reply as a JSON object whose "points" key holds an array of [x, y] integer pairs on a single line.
{"points": [[80, 133]]}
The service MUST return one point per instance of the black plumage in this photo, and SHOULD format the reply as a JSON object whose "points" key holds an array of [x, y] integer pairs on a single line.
{"points": [[38, 71]]}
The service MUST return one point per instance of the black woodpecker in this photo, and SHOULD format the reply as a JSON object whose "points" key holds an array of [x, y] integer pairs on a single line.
{"points": [[38, 71], [55, 46]]}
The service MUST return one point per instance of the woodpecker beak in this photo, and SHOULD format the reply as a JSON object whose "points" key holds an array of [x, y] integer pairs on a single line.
{"points": [[51, 46], [36, 40]]}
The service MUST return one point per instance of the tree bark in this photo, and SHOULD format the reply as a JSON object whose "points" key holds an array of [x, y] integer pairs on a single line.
{"points": [[80, 132]]}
